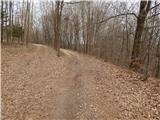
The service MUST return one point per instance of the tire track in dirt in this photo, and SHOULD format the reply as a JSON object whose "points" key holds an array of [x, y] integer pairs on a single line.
{"points": [[73, 102], [71, 98]]}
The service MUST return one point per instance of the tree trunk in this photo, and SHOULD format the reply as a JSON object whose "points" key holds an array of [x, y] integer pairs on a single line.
{"points": [[6, 20], [144, 9], [2, 22], [57, 27], [28, 22], [10, 20]]}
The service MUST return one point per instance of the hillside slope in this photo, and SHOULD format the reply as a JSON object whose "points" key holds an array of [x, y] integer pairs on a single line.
{"points": [[37, 85]]}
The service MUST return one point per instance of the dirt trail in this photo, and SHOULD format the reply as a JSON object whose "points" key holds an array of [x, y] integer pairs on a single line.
{"points": [[37, 85]]}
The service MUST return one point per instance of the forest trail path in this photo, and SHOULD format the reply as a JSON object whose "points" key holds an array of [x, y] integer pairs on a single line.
{"points": [[38, 85]]}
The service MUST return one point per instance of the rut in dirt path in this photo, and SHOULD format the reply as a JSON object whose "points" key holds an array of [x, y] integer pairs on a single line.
{"points": [[71, 99], [73, 102], [36, 84]]}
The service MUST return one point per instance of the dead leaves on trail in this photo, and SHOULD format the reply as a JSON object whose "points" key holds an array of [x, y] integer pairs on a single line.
{"points": [[35, 83]]}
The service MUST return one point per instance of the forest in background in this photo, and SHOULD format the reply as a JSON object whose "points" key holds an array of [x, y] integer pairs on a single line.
{"points": [[124, 33]]}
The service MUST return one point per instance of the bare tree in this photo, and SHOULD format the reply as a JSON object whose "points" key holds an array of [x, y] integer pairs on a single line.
{"points": [[144, 9]]}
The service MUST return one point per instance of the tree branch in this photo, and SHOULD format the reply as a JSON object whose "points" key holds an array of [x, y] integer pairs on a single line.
{"points": [[154, 6], [105, 20], [78, 2], [156, 26], [153, 16]]}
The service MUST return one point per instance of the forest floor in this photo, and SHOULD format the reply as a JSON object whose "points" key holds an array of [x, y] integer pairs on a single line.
{"points": [[38, 85]]}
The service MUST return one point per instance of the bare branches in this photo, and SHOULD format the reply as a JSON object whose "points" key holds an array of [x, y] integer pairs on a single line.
{"points": [[78, 2], [105, 20], [153, 15], [154, 6], [156, 26]]}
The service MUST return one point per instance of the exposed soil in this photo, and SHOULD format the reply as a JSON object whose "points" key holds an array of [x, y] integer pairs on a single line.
{"points": [[38, 85]]}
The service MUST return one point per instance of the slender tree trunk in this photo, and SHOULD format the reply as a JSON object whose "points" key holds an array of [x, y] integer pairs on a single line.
{"points": [[83, 26], [10, 20], [28, 23], [22, 18], [6, 20], [127, 38], [2, 22]]}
